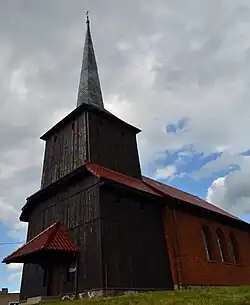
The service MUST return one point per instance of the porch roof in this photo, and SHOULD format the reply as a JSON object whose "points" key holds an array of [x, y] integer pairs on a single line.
{"points": [[53, 239]]}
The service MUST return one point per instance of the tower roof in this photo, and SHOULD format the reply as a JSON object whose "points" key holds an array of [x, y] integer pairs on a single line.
{"points": [[89, 91]]}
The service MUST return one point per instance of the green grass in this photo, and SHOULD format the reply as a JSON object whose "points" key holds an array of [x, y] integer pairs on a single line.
{"points": [[217, 296]]}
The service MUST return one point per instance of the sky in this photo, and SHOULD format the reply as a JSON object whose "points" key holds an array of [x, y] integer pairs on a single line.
{"points": [[178, 70]]}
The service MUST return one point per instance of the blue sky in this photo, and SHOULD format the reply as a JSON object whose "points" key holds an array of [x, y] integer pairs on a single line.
{"points": [[8, 277], [178, 70]]}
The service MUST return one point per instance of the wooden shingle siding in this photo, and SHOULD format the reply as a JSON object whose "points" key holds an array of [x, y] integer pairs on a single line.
{"points": [[134, 248], [113, 145], [65, 151], [77, 208]]}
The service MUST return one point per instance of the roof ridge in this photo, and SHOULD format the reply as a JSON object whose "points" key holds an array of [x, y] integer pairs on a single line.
{"points": [[153, 188], [52, 234], [172, 187]]}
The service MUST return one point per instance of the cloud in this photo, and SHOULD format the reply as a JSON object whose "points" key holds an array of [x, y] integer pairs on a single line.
{"points": [[172, 60], [15, 270], [223, 162], [15, 266], [231, 191], [14, 276], [165, 173]]}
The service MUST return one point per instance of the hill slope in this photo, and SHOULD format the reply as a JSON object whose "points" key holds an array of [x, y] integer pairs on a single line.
{"points": [[217, 296]]}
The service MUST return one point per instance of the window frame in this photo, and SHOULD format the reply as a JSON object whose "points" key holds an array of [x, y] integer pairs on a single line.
{"points": [[207, 241], [223, 246], [234, 248]]}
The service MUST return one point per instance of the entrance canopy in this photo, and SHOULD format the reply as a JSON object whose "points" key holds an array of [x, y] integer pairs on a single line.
{"points": [[48, 244]]}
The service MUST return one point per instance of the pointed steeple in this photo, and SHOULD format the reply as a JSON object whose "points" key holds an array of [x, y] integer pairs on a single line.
{"points": [[89, 91]]}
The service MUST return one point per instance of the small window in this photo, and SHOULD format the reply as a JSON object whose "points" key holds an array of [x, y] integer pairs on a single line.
{"points": [[55, 138], [207, 241], [73, 126], [222, 245], [234, 249]]}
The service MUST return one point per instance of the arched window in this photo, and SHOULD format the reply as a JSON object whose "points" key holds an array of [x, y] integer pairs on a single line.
{"points": [[222, 245], [207, 241], [234, 249]]}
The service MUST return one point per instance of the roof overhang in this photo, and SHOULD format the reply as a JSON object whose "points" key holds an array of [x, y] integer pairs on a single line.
{"points": [[47, 244], [51, 189], [109, 182], [78, 111]]}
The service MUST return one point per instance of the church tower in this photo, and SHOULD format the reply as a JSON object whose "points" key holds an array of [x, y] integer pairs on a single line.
{"points": [[90, 133], [94, 224]]}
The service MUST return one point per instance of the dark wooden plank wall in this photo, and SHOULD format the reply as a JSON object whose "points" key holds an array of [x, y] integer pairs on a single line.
{"points": [[113, 145], [77, 208], [134, 249], [65, 151], [32, 272]]}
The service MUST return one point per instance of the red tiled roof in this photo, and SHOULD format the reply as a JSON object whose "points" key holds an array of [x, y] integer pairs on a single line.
{"points": [[154, 187], [109, 174], [178, 194], [54, 237]]}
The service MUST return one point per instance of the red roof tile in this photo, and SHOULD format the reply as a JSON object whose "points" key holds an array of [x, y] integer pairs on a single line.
{"points": [[154, 187], [178, 194], [54, 237], [109, 174]]}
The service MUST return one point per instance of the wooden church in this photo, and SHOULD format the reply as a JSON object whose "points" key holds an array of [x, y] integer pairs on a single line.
{"points": [[97, 224]]}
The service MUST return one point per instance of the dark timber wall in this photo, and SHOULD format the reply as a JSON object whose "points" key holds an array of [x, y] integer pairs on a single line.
{"points": [[113, 145], [134, 248], [77, 208], [65, 150], [91, 137]]}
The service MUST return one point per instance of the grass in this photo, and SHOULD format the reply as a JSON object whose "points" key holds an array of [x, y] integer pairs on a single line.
{"points": [[217, 296]]}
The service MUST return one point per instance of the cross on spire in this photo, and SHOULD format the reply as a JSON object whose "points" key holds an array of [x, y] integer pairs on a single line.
{"points": [[89, 91], [87, 16]]}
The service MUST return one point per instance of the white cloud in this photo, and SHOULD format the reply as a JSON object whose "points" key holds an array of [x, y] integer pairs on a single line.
{"points": [[221, 163], [165, 173], [15, 272], [8, 212], [14, 276], [216, 191], [15, 266], [168, 62], [232, 192]]}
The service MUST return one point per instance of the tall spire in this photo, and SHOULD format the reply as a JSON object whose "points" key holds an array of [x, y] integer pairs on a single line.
{"points": [[89, 91]]}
